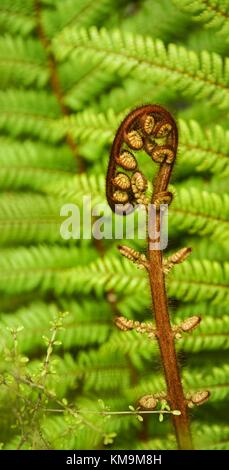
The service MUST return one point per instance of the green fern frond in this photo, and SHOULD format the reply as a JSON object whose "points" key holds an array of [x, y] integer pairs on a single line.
{"points": [[23, 269], [203, 149], [17, 17], [79, 186], [129, 94], [200, 212], [100, 373], [22, 63], [33, 165], [29, 113], [29, 218], [72, 72], [204, 183], [200, 39], [194, 280], [204, 309], [90, 125], [88, 87], [83, 326], [156, 443], [213, 13], [215, 187], [200, 280], [211, 436], [148, 20], [205, 114], [128, 52], [72, 434], [211, 334], [215, 380], [201, 248], [137, 346], [28, 152], [82, 13], [106, 274]]}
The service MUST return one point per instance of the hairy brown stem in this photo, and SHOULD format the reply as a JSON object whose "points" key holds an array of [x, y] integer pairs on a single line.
{"points": [[141, 129], [167, 348], [165, 334]]}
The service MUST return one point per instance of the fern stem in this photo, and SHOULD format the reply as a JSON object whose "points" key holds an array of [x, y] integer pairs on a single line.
{"points": [[167, 348], [55, 82], [135, 132], [165, 334]]}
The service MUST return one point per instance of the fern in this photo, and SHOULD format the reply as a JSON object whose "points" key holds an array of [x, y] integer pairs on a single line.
{"points": [[201, 218], [33, 264], [213, 251], [33, 165], [85, 13], [214, 437], [207, 149], [200, 39], [151, 21], [202, 281], [214, 14], [211, 335], [129, 94], [127, 52], [215, 380], [29, 113], [82, 327], [22, 63], [17, 18], [210, 437], [22, 214], [88, 86], [69, 73]]}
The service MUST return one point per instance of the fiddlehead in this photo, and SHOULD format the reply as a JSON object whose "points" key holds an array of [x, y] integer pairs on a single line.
{"points": [[150, 128]]}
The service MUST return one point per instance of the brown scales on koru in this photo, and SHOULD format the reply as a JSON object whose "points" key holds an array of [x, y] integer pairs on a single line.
{"points": [[137, 132]]}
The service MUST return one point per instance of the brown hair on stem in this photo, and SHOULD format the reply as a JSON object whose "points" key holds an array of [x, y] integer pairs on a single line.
{"points": [[140, 131]]}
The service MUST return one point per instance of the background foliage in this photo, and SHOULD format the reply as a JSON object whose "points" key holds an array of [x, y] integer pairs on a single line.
{"points": [[69, 71]]}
